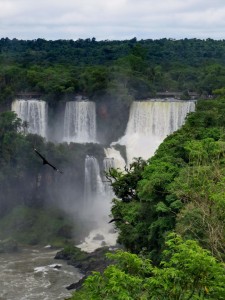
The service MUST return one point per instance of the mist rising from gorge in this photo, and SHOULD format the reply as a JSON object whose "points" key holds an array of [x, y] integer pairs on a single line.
{"points": [[82, 131]]}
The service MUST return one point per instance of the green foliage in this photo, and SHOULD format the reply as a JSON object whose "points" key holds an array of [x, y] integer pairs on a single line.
{"points": [[25, 225], [121, 281], [9, 123], [201, 187], [124, 184], [137, 68], [94, 80], [57, 79], [74, 253], [132, 233], [186, 272], [180, 187]]}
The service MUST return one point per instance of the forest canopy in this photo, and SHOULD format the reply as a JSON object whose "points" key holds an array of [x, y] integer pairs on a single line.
{"points": [[134, 69]]}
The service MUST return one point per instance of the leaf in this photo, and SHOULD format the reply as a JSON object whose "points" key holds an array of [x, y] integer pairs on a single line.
{"points": [[161, 207]]}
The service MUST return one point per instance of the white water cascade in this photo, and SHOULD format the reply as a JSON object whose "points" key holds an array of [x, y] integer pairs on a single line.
{"points": [[118, 160], [80, 122], [149, 124], [35, 113], [93, 186], [108, 163], [97, 204]]}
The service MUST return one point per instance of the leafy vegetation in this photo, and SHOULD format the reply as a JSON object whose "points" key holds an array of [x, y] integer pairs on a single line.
{"points": [[101, 70], [186, 271], [180, 188], [25, 225]]}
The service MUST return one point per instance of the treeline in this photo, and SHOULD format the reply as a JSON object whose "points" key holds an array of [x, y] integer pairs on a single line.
{"points": [[81, 52], [170, 213], [121, 70]]}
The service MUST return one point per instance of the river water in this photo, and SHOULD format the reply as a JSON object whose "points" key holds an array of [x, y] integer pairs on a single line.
{"points": [[34, 274]]}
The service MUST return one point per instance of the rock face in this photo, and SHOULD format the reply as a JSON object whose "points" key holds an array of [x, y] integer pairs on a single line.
{"points": [[86, 262]]}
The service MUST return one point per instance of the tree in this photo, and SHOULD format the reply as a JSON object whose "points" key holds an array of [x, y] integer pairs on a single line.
{"points": [[200, 186], [186, 272], [124, 184], [9, 123]]}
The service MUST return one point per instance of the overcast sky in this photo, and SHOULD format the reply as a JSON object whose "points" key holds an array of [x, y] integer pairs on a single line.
{"points": [[112, 19]]}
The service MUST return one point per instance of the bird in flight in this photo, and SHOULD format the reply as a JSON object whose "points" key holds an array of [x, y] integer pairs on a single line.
{"points": [[119, 219], [45, 162]]}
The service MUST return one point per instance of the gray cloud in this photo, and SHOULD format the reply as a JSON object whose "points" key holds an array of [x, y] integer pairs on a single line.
{"points": [[107, 19]]}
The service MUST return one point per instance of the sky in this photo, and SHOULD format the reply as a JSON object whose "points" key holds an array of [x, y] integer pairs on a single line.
{"points": [[112, 19]]}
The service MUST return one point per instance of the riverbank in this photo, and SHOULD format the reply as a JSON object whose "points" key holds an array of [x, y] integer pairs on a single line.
{"points": [[85, 262]]}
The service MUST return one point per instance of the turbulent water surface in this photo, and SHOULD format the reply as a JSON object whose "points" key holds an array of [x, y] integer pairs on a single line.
{"points": [[34, 274]]}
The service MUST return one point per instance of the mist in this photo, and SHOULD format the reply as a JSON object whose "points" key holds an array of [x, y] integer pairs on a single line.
{"points": [[84, 139], [69, 140]]}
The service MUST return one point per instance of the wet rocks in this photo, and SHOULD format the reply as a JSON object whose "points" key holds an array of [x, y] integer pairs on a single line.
{"points": [[86, 262]]}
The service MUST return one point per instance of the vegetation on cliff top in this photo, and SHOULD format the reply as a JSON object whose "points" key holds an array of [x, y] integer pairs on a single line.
{"points": [[104, 70]]}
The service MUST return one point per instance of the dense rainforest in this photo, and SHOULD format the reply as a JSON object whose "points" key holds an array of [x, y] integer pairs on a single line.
{"points": [[170, 208], [118, 70]]}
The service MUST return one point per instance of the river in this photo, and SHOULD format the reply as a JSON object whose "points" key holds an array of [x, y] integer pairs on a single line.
{"points": [[34, 274]]}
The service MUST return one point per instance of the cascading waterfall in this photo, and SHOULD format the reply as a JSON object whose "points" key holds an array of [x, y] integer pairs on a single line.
{"points": [[80, 122], [149, 124], [97, 203], [115, 160], [108, 163], [35, 113], [118, 160], [93, 186]]}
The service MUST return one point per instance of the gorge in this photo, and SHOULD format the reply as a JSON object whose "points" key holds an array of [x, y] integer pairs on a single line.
{"points": [[88, 106], [150, 121], [82, 191]]}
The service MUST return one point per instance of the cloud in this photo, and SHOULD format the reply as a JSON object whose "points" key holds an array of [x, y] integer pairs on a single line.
{"points": [[107, 19]]}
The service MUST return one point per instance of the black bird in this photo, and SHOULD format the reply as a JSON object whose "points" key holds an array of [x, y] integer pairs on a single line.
{"points": [[119, 219], [45, 162]]}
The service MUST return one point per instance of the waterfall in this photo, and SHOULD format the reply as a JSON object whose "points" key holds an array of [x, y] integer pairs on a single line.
{"points": [[93, 186], [108, 163], [34, 112], [118, 160], [97, 204], [150, 122], [80, 122], [113, 159]]}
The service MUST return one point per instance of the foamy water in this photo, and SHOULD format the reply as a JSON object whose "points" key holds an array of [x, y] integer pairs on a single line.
{"points": [[107, 235], [150, 122], [34, 274], [35, 113]]}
